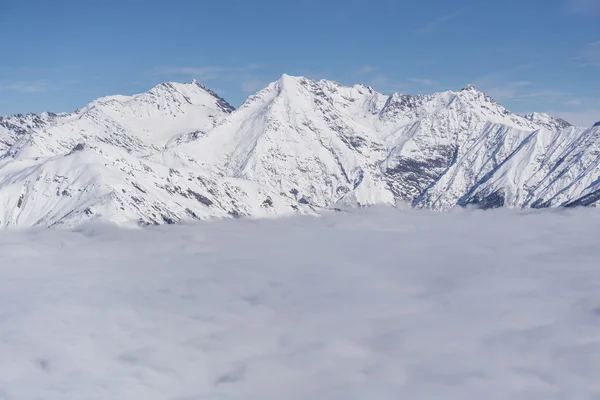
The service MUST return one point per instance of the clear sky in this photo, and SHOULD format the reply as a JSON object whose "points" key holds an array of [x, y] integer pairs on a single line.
{"points": [[531, 55]]}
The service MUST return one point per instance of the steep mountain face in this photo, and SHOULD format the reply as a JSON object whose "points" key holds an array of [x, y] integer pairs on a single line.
{"points": [[142, 124], [442, 130], [96, 163], [328, 144], [181, 152], [305, 140], [106, 182], [16, 126], [520, 169]]}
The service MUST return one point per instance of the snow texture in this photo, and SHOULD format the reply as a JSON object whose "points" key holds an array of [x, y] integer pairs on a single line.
{"points": [[386, 304], [180, 152]]}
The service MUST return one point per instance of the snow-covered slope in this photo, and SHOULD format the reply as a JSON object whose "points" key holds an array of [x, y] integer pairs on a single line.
{"points": [[106, 182], [520, 169], [141, 124], [548, 121], [301, 138], [16, 126], [96, 163], [180, 151]]}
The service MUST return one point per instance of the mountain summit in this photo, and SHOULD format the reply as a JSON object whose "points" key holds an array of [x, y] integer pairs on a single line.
{"points": [[180, 151]]}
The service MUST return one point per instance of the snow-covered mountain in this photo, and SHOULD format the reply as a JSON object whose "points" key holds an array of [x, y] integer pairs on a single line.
{"points": [[547, 121], [98, 163], [141, 124], [15, 126], [179, 151]]}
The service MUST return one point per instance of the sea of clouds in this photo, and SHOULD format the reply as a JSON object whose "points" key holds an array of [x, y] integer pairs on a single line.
{"points": [[374, 304]]}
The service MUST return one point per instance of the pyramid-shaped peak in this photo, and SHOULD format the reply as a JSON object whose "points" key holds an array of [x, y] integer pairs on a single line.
{"points": [[289, 81], [471, 93], [470, 88], [178, 86], [196, 83], [188, 91], [290, 78], [294, 84], [534, 115]]}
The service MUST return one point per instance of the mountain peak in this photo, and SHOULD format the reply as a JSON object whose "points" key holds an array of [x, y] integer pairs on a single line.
{"points": [[470, 91], [596, 124], [194, 85], [176, 152], [469, 88], [290, 78]]}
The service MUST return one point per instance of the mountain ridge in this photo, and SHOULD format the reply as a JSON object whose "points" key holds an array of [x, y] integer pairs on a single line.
{"points": [[180, 152]]}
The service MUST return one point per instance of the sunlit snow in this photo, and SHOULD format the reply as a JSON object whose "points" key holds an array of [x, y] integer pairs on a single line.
{"points": [[371, 304]]}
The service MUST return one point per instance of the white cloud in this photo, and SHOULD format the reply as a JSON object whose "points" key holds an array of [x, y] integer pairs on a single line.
{"points": [[587, 117], [548, 95], [207, 72], [506, 91], [573, 102], [589, 55], [584, 7], [499, 92], [502, 85], [384, 83], [378, 304], [366, 69], [25, 87], [373, 76], [245, 75], [253, 85], [423, 81], [520, 83], [435, 24]]}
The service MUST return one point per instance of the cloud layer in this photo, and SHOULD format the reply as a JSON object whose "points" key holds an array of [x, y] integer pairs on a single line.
{"points": [[378, 304]]}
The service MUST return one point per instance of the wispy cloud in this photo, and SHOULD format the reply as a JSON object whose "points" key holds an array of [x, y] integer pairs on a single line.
{"points": [[314, 74], [587, 117], [384, 83], [589, 56], [546, 95], [25, 87], [503, 76], [206, 72], [520, 83], [499, 93], [423, 81], [254, 84], [573, 102], [248, 77], [375, 77], [505, 86], [516, 93], [584, 7], [435, 24], [366, 69]]}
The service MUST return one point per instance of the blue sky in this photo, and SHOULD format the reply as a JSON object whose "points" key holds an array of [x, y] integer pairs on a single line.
{"points": [[531, 55]]}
